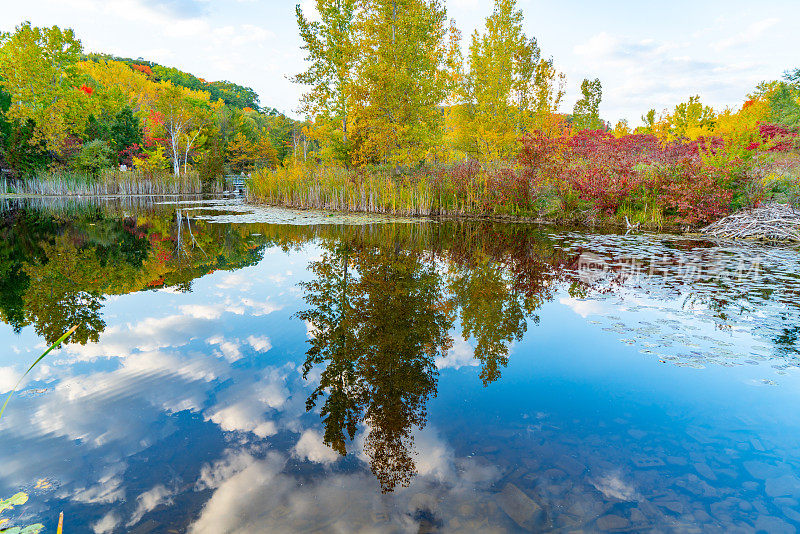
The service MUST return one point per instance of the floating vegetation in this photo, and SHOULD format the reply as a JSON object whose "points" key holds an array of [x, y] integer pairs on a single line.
{"points": [[8, 504]]}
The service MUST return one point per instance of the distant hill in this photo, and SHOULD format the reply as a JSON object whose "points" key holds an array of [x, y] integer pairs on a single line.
{"points": [[232, 94]]}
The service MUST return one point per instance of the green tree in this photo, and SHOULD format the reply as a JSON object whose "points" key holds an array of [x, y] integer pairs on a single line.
{"points": [[586, 113], [331, 48], [784, 101], [37, 68], [125, 130], [93, 156], [401, 81]]}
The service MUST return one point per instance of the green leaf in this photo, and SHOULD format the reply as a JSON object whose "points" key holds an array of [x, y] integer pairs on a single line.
{"points": [[40, 358], [16, 500]]}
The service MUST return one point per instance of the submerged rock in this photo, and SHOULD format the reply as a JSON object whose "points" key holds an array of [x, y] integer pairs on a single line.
{"points": [[518, 506]]}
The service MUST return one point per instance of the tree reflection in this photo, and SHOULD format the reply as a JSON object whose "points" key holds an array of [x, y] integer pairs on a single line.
{"points": [[381, 311], [57, 266], [379, 320]]}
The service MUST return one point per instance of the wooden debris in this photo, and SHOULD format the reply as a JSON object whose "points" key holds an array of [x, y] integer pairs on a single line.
{"points": [[772, 222]]}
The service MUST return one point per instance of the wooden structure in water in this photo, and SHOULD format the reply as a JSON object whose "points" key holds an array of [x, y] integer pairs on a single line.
{"points": [[235, 183]]}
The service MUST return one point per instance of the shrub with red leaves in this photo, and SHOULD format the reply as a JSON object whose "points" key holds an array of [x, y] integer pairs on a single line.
{"points": [[127, 154], [634, 170]]}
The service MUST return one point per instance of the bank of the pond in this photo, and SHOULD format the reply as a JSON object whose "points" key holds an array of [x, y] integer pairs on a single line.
{"points": [[109, 182], [580, 219]]}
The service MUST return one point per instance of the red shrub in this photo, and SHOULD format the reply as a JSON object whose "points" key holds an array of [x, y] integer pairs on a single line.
{"points": [[633, 169]]}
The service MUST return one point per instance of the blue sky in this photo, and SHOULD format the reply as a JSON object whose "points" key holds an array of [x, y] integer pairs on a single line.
{"points": [[648, 55]]}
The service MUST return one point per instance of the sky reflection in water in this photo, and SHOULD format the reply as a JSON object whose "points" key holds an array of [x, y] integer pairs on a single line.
{"points": [[479, 376]]}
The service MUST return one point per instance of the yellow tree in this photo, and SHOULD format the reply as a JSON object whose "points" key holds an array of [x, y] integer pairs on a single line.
{"points": [[37, 68], [509, 89], [490, 122], [187, 115], [241, 153], [330, 45], [265, 154], [401, 81], [689, 120]]}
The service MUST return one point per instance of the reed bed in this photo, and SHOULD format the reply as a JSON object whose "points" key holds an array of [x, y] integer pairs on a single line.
{"points": [[109, 182], [431, 192]]}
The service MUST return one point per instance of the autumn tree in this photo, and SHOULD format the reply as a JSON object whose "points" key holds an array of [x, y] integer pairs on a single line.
{"points": [[380, 319], [401, 81], [509, 88], [331, 48], [37, 68], [586, 113], [187, 115], [265, 154]]}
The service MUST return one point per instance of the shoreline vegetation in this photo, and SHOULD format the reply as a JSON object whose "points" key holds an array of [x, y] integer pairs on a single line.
{"points": [[400, 119], [591, 178], [425, 129], [110, 182]]}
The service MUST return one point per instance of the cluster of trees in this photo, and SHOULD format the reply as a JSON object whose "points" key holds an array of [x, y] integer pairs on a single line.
{"points": [[774, 103], [388, 84], [63, 110]]}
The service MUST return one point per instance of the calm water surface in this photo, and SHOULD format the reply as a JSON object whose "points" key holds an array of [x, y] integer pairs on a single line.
{"points": [[253, 370]]}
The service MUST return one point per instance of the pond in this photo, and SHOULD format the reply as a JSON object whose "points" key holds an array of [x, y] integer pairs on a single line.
{"points": [[242, 369]]}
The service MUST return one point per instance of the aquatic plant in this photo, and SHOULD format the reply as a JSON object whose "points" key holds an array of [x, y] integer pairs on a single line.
{"points": [[34, 364], [7, 504], [112, 182]]}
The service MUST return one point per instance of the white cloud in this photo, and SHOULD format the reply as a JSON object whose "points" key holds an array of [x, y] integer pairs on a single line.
{"points": [[261, 308], [149, 501], [235, 280], [311, 447], [582, 307], [260, 343], [8, 379], [108, 490], [749, 35], [107, 524], [461, 355], [229, 349], [213, 475], [244, 417]]}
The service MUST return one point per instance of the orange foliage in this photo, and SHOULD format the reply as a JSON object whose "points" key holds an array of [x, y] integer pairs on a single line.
{"points": [[143, 68]]}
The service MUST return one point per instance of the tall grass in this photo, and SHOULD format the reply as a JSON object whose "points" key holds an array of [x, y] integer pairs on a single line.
{"points": [[461, 190], [110, 182]]}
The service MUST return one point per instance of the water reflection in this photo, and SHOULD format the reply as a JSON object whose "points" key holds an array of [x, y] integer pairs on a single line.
{"points": [[486, 376], [379, 319], [383, 308], [59, 265]]}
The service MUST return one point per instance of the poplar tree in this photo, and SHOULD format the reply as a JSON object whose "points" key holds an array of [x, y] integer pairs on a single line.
{"points": [[332, 52], [402, 81], [509, 89], [586, 113]]}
